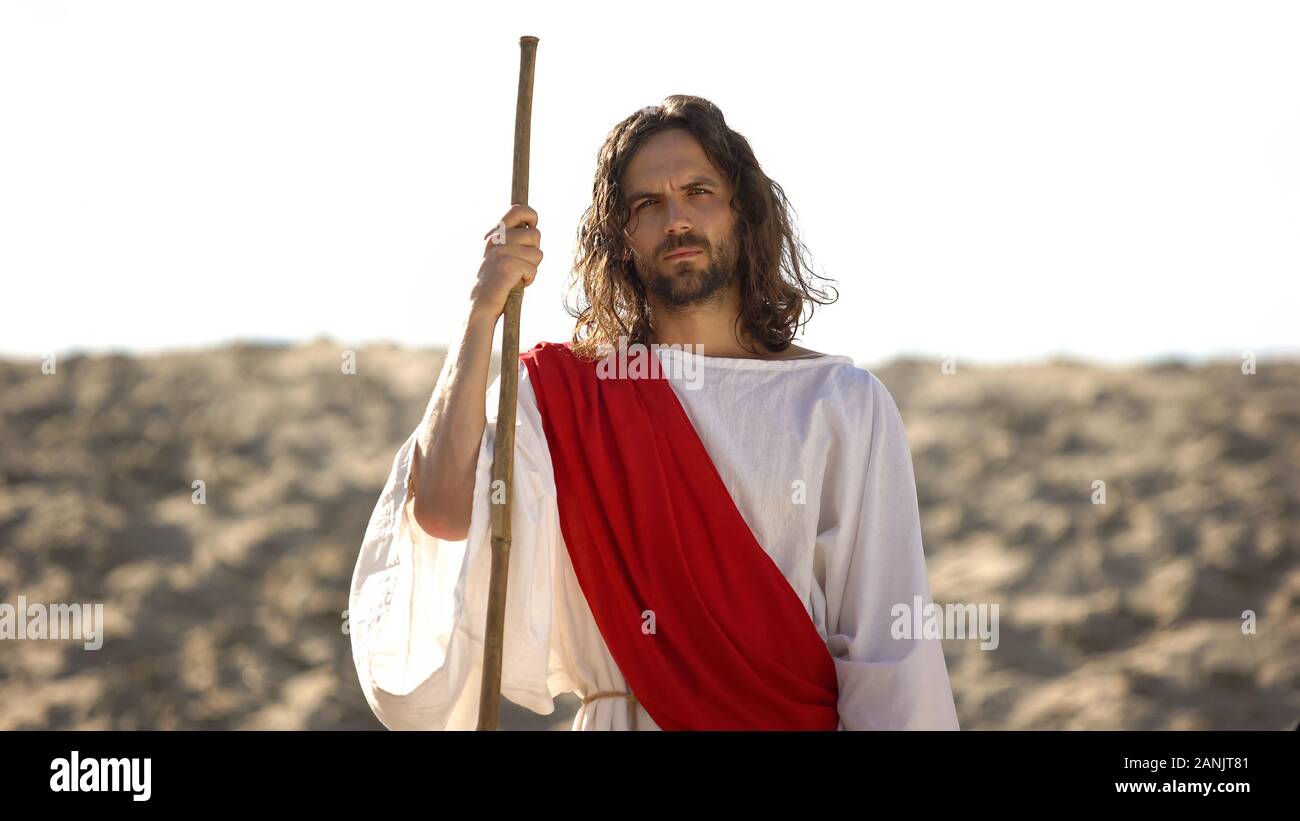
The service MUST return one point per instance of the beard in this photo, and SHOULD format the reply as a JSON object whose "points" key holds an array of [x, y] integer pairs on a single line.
{"points": [[682, 283]]}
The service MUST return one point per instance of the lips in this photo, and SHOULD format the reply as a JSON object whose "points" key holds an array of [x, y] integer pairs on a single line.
{"points": [[683, 253]]}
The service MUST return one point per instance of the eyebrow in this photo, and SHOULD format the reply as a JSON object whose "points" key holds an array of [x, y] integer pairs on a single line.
{"points": [[700, 179]]}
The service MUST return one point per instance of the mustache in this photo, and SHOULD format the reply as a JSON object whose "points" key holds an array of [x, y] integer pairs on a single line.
{"points": [[685, 242]]}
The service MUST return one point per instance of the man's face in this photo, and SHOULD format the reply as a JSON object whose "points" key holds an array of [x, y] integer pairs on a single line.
{"points": [[677, 200]]}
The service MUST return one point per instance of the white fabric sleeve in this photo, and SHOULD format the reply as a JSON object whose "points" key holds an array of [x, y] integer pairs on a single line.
{"points": [[418, 605], [885, 683]]}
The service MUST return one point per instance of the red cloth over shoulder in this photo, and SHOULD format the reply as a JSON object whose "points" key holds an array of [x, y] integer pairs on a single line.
{"points": [[656, 540]]}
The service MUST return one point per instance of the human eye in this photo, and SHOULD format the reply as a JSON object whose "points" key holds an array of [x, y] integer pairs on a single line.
{"points": [[643, 203]]}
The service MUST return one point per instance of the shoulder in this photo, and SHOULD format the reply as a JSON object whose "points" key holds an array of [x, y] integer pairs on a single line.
{"points": [[546, 352], [858, 384], [554, 363], [558, 354], [867, 400]]}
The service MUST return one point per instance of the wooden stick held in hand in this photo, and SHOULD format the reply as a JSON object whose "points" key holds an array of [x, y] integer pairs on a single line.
{"points": [[503, 457]]}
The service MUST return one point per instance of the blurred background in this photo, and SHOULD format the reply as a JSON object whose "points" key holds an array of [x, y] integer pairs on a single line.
{"points": [[1065, 237]]}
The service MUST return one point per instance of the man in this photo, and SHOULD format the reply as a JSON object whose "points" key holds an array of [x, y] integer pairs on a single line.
{"points": [[722, 544]]}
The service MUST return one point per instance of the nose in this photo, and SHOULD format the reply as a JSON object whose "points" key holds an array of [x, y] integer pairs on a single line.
{"points": [[679, 221]]}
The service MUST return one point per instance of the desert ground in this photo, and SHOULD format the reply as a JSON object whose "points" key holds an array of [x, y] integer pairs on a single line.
{"points": [[229, 614]]}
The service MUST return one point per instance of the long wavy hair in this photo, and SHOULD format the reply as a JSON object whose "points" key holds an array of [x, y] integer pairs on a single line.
{"points": [[606, 296]]}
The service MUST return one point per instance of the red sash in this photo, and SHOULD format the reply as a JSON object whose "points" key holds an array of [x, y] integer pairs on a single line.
{"points": [[650, 526]]}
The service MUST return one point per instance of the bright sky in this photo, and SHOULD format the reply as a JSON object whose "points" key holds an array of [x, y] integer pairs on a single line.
{"points": [[990, 180]]}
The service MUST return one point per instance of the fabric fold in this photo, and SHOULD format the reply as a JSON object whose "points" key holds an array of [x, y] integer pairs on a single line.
{"points": [[704, 626]]}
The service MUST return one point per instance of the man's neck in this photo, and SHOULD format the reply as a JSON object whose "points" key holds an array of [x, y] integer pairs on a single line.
{"points": [[711, 326]]}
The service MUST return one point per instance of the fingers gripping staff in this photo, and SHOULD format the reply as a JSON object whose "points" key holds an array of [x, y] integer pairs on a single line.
{"points": [[503, 455]]}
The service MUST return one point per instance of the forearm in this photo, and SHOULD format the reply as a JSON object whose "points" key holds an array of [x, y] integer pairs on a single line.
{"points": [[451, 430]]}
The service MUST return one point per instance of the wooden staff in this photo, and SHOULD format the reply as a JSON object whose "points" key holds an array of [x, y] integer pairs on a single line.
{"points": [[503, 457]]}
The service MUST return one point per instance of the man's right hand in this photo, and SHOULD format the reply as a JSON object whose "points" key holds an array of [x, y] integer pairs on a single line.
{"points": [[444, 465], [511, 254]]}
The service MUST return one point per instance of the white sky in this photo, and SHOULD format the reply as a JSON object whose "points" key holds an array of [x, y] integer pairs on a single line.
{"points": [[991, 180]]}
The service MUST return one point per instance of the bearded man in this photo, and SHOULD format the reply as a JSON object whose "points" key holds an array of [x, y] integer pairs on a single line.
{"points": [[718, 534]]}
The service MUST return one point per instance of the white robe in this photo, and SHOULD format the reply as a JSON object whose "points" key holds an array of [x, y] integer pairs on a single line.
{"points": [[850, 548]]}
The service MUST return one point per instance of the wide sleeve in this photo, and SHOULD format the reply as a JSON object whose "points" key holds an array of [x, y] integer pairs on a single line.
{"points": [[418, 605], [885, 683]]}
